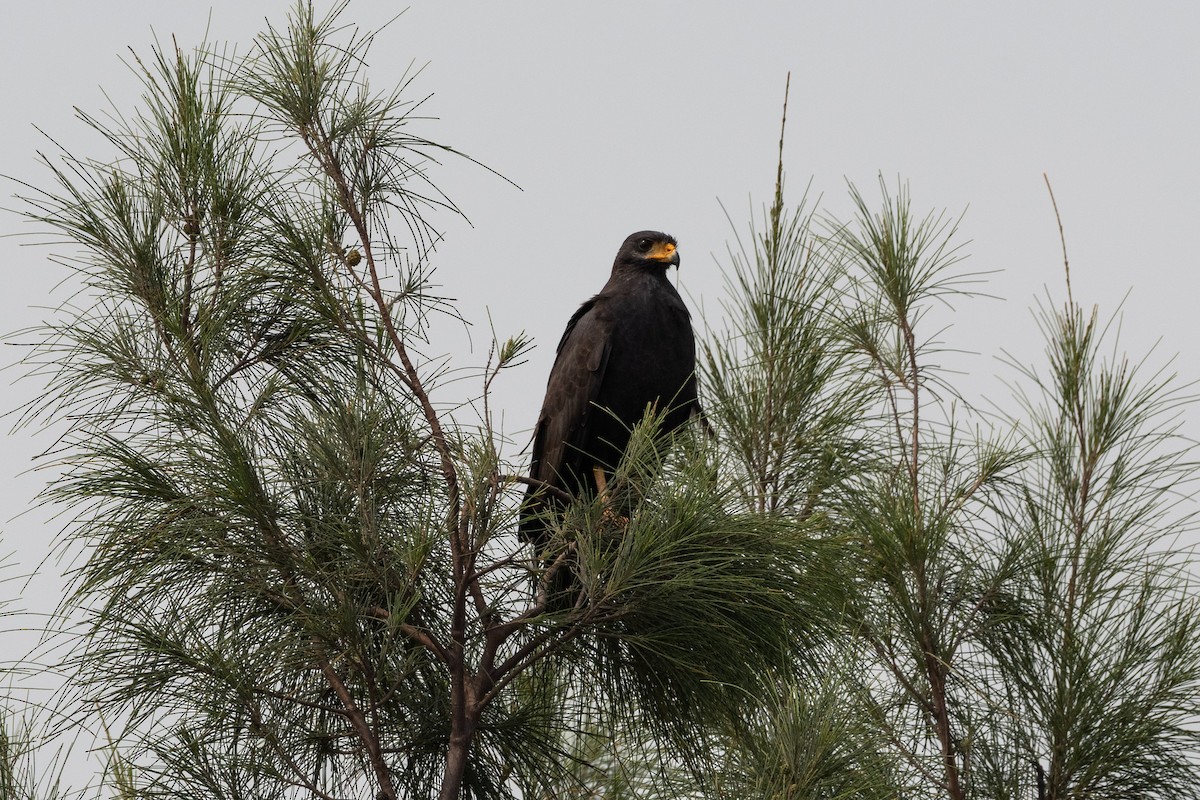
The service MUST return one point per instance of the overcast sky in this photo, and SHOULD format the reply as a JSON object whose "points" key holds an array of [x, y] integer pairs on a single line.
{"points": [[618, 116]]}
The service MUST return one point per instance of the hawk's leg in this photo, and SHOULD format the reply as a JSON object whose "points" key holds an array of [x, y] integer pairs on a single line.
{"points": [[609, 516]]}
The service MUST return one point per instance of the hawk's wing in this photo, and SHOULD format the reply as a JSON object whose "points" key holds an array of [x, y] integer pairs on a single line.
{"points": [[574, 384]]}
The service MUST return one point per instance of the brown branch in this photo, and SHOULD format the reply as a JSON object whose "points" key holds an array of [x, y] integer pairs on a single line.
{"points": [[529, 654], [936, 670], [359, 722], [321, 149], [421, 637], [540, 485], [498, 564], [915, 390], [890, 661]]}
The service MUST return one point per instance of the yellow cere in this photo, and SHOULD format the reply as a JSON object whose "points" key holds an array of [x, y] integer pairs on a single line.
{"points": [[662, 251]]}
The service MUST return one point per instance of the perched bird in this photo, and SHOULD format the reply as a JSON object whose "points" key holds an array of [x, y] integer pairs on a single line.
{"points": [[629, 347]]}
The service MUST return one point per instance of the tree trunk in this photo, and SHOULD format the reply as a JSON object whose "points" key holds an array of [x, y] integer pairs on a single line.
{"points": [[456, 762], [464, 714]]}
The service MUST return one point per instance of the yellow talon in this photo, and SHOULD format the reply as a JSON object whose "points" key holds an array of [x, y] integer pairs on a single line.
{"points": [[601, 483]]}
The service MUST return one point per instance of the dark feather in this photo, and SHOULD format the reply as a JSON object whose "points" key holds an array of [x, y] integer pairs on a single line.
{"points": [[626, 349]]}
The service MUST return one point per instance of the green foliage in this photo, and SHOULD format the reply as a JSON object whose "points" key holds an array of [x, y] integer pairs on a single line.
{"points": [[692, 579], [784, 394], [1095, 635], [30, 768], [813, 740]]}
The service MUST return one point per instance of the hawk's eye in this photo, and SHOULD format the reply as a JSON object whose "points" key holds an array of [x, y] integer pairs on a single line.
{"points": [[643, 245]]}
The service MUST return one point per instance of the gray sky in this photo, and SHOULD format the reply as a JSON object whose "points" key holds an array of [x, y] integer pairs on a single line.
{"points": [[618, 116]]}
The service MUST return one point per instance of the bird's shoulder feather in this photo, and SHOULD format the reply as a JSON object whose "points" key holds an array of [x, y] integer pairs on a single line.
{"points": [[575, 381]]}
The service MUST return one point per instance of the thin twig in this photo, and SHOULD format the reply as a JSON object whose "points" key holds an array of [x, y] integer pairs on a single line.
{"points": [[1062, 238]]}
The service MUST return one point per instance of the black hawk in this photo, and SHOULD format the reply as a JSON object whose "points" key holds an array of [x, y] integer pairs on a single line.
{"points": [[628, 348]]}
